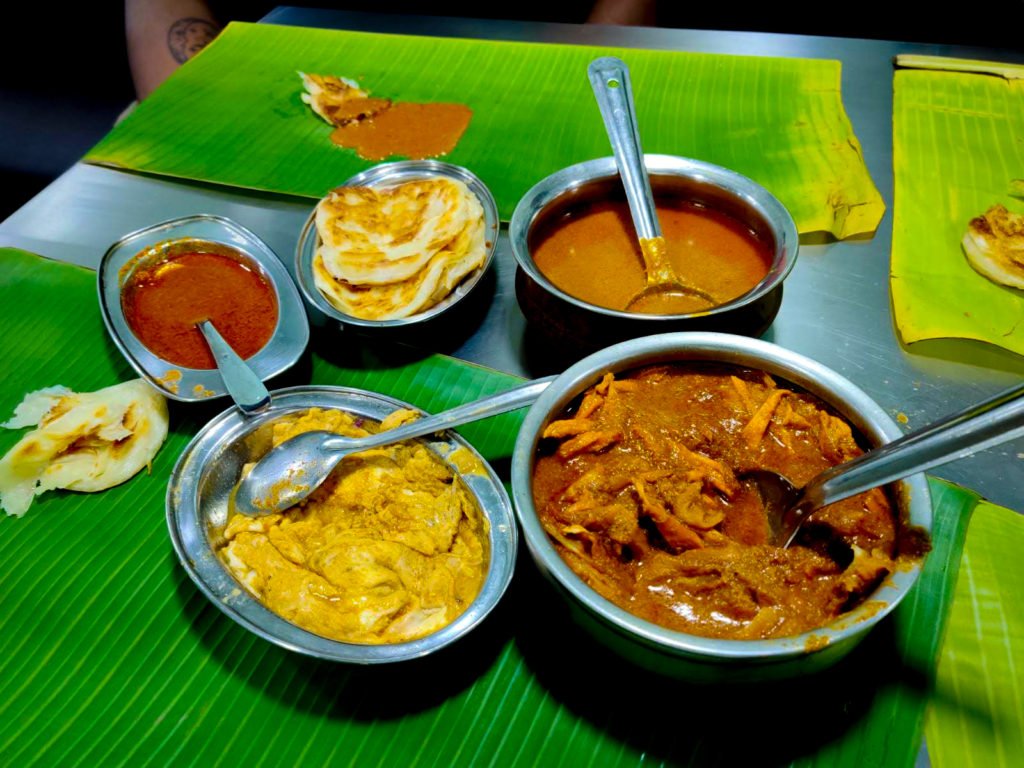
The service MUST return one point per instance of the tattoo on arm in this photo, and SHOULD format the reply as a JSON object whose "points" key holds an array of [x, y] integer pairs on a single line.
{"points": [[187, 37]]}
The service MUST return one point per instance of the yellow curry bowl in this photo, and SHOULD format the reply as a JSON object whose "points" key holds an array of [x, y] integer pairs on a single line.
{"points": [[402, 551]]}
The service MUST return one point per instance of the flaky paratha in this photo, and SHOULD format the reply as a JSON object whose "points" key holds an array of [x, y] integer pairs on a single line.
{"points": [[339, 100], [994, 246], [427, 287], [376, 236]]}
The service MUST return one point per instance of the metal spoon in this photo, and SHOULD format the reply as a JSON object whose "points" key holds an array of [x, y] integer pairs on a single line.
{"points": [[609, 78], [244, 386], [994, 421], [291, 471]]}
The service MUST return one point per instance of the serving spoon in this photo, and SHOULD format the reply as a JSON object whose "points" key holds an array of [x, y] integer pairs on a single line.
{"points": [[291, 471], [609, 78], [245, 387], [989, 423]]}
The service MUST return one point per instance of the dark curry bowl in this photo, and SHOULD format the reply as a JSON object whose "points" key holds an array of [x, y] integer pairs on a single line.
{"points": [[690, 656], [563, 318]]}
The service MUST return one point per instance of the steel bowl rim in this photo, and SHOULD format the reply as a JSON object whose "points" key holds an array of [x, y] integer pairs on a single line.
{"points": [[565, 180], [181, 506], [695, 346], [387, 173]]}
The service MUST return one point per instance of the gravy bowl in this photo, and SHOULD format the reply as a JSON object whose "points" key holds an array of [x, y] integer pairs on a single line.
{"points": [[564, 318], [688, 655]]}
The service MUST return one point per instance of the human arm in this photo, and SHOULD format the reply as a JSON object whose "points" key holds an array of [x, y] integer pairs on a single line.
{"points": [[161, 35]]}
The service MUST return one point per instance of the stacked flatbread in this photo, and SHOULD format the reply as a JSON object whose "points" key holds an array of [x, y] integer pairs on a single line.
{"points": [[388, 253]]}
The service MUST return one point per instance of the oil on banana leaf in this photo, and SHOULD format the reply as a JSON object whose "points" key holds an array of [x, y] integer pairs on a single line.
{"points": [[111, 656], [957, 151], [233, 115]]}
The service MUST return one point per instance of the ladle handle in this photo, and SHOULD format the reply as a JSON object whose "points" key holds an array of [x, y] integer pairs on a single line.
{"points": [[242, 383], [609, 77], [994, 421], [509, 400]]}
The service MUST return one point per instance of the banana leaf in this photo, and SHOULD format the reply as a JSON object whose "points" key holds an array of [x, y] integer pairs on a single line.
{"points": [[957, 151], [110, 655], [977, 713], [233, 115]]}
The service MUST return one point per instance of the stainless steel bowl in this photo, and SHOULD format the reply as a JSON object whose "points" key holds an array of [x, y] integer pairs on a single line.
{"points": [[139, 248], [692, 656], [387, 175], [209, 468], [566, 319]]}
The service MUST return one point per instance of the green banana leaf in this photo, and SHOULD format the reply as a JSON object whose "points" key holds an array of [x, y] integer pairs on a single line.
{"points": [[110, 656], [233, 115], [977, 714], [956, 152]]}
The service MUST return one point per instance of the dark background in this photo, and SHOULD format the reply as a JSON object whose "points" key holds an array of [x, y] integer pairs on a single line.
{"points": [[64, 75]]}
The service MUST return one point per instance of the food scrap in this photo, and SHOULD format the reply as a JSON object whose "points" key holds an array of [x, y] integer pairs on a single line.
{"points": [[83, 442], [994, 246], [379, 128], [388, 253], [641, 489], [392, 547]]}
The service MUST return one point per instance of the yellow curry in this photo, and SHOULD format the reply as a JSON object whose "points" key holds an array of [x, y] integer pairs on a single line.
{"points": [[641, 488], [392, 547]]}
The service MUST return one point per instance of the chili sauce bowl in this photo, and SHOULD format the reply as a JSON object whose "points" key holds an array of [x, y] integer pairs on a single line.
{"points": [[571, 322], [147, 246], [681, 654], [198, 505], [388, 175]]}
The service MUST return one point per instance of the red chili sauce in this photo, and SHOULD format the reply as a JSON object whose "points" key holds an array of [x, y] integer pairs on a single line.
{"points": [[162, 303]]}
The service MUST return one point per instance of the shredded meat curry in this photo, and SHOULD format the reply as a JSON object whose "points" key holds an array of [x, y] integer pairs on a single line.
{"points": [[641, 489], [390, 548]]}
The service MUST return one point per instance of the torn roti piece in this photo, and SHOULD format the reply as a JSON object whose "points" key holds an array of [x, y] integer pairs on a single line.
{"points": [[994, 246], [339, 100], [83, 442]]}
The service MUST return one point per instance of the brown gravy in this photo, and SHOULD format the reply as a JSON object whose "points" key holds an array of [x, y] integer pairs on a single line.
{"points": [[641, 490], [592, 252], [412, 130]]}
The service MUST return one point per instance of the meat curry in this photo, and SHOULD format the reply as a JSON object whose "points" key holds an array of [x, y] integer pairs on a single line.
{"points": [[641, 488]]}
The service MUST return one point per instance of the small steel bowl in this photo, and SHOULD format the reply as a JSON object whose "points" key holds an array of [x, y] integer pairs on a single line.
{"points": [[142, 247], [565, 319], [388, 175], [209, 468], [691, 656]]}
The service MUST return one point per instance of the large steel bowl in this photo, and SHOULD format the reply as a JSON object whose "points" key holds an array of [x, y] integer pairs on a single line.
{"points": [[692, 656], [565, 319], [198, 498]]}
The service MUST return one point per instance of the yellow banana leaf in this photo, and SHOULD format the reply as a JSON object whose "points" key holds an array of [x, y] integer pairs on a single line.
{"points": [[233, 115], [958, 147]]}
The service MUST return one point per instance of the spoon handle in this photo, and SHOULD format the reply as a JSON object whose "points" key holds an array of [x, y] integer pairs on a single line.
{"points": [[609, 77], [994, 421], [508, 400], [244, 386]]}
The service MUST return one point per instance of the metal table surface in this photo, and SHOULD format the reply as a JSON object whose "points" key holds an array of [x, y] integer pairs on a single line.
{"points": [[836, 307]]}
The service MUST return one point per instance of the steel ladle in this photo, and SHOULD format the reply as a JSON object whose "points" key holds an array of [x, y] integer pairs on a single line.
{"points": [[609, 78], [291, 471], [994, 421]]}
